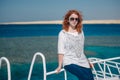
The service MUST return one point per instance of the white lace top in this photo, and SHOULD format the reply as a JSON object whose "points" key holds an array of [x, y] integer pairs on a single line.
{"points": [[72, 46]]}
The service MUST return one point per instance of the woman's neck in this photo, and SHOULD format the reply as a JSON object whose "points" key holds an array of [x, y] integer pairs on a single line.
{"points": [[72, 29]]}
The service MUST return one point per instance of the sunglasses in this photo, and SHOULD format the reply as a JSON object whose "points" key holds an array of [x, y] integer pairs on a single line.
{"points": [[72, 19]]}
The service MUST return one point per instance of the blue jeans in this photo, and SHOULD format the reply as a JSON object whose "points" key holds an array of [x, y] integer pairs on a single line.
{"points": [[81, 72]]}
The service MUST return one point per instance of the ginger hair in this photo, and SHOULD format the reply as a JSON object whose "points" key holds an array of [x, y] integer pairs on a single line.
{"points": [[66, 20]]}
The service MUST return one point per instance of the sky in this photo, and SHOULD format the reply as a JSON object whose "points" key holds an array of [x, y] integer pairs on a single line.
{"points": [[45, 10]]}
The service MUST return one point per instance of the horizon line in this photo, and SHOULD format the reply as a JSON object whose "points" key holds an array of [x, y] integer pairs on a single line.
{"points": [[60, 22]]}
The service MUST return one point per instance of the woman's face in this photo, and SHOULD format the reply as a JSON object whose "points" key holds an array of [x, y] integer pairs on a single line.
{"points": [[73, 20]]}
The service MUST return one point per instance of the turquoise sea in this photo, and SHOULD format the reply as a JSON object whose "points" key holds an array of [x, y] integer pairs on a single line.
{"points": [[53, 30], [20, 42]]}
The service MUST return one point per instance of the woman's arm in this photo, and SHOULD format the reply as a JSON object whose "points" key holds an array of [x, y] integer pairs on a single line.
{"points": [[60, 62], [61, 51]]}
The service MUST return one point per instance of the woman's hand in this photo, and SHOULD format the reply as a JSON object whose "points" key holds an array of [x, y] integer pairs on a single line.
{"points": [[91, 65], [58, 69], [60, 61]]}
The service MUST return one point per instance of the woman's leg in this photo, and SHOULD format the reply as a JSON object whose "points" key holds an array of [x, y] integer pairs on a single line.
{"points": [[81, 72]]}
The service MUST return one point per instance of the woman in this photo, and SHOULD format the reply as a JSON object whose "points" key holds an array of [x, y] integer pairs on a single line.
{"points": [[71, 47]]}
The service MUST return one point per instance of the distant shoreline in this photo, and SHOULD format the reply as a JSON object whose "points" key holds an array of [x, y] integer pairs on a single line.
{"points": [[60, 22]]}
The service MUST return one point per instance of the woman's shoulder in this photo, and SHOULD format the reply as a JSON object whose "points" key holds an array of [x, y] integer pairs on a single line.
{"points": [[62, 32], [81, 33]]}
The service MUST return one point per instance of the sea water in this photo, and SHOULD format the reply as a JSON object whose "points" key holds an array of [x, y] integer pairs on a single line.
{"points": [[17, 42], [53, 30]]}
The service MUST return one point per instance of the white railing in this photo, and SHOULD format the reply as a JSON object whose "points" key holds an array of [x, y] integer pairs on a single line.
{"points": [[8, 66], [103, 69], [106, 69], [44, 67]]}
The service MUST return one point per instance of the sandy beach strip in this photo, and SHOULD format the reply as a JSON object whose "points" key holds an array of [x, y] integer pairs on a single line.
{"points": [[60, 22]]}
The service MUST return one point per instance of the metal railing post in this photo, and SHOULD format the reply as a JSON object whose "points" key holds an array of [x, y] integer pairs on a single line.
{"points": [[44, 64], [8, 66], [104, 70]]}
